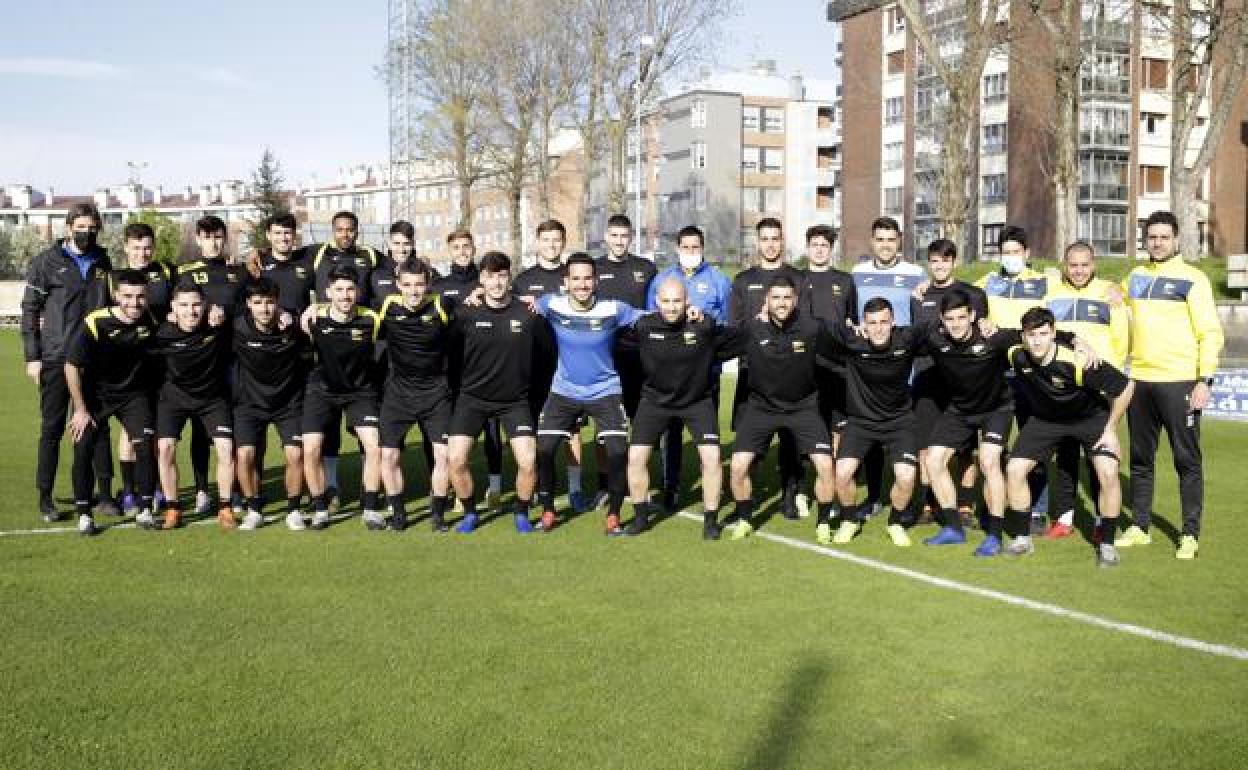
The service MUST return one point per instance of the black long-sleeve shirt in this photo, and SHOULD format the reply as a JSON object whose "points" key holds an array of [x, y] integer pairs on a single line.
{"points": [[927, 310], [346, 351], [627, 280], [196, 362], [272, 366], [459, 282], [678, 358], [326, 256], [496, 350], [535, 282], [161, 278], [781, 359], [749, 290], [877, 379], [294, 279], [114, 355], [830, 295], [57, 298]]}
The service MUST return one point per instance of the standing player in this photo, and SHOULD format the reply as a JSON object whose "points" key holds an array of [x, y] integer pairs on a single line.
{"points": [[1175, 341], [678, 358], [63, 284], [289, 269], [780, 352], [108, 374], [707, 289], [496, 359], [585, 384], [626, 278], [749, 292], [195, 352], [344, 336], [272, 369], [1068, 399], [384, 281], [414, 324]]}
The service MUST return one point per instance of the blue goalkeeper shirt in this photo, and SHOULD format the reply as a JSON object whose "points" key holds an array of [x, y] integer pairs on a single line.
{"points": [[586, 339], [894, 283]]}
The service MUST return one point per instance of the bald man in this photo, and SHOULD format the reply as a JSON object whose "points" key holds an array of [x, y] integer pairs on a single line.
{"points": [[677, 359]]}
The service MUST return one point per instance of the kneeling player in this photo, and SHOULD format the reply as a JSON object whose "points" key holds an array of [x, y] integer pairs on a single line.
{"points": [[272, 369], [496, 360], [344, 336], [195, 353], [415, 326], [1068, 399], [677, 359]]}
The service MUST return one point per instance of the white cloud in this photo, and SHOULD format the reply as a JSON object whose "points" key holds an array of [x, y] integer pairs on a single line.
{"points": [[78, 69], [223, 77]]}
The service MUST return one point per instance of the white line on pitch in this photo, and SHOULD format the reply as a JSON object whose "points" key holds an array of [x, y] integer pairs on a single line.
{"points": [[1221, 650]]}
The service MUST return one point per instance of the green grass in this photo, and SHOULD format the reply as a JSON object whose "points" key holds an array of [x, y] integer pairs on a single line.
{"points": [[202, 649]]}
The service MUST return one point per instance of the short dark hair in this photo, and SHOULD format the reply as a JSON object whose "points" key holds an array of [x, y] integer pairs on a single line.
{"points": [[459, 233], [876, 304], [414, 266], [552, 224], [580, 258], [209, 224], [886, 223], [260, 287], [782, 281], [403, 227], [768, 222], [137, 231], [1162, 218], [1079, 246], [620, 220], [690, 231], [128, 277], [942, 247], [1012, 233], [84, 210], [1037, 317], [821, 231], [955, 299], [495, 262], [343, 273], [186, 288], [283, 220], [344, 214]]}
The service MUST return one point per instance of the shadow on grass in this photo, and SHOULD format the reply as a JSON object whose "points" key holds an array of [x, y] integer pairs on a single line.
{"points": [[791, 723]]}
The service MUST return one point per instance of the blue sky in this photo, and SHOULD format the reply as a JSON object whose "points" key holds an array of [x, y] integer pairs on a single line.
{"points": [[198, 90]]}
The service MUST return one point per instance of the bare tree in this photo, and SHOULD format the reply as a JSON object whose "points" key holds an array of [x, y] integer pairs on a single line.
{"points": [[958, 60], [1210, 60]]}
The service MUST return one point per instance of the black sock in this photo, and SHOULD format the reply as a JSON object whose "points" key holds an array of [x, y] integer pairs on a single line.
{"points": [[615, 501], [1109, 528], [127, 477], [949, 517], [105, 486], [966, 497], [437, 506], [1017, 523], [470, 505], [292, 503], [710, 516], [255, 503], [995, 525], [745, 509], [546, 500], [895, 515], [397, 505], [602, 481], [201, 480], [522, 507], [320, 504], [925, 498]]}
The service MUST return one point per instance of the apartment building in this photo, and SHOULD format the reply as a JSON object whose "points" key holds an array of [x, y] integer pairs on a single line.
{"points": [[893, 139]]}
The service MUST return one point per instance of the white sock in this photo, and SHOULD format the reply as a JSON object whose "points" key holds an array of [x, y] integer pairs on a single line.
{"points": [[330, 464], [1067, 518], [496, 483], [574, 478]]}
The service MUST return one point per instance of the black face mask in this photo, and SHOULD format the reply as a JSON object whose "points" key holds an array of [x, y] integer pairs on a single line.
{"points": [[85, 241]]}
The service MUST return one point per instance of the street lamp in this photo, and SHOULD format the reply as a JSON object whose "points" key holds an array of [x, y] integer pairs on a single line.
{"points": [[645, 41]]}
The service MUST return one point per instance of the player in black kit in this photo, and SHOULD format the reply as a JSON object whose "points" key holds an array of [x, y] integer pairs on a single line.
{"points": [[496, 360]]}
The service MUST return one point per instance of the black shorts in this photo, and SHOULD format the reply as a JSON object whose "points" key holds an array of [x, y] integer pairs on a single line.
{"points": [[930, 403], [137, 414], [628, 365], [957, 430], [470, 415], [175, 408], [756, 425], [652, 422], [861, 436], [563, 416], [1039, 437], [251, 422], [400, 409], [832, 399], [323, 411]]}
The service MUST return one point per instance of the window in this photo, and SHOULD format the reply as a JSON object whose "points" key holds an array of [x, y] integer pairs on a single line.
{"points": [[894, 110], [751, 159], [994, 190], [825, 198], [994, 138], [893, 200], [697, 154], [773, 200], [773, 160], [1154, 74], [896, 20], [699, 196], [750, 117], [631, 148], [773, 120], [995, 88], [1152, 123], [752, 199], [697, 114], [896, 62], [991, 240], [894, 157], [1152, 180]]}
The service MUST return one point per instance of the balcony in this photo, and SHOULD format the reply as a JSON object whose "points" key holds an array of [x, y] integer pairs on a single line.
{"points": [[1105, 31], [1104, 137], [995, 148], [924, 210], [1098, 192], [1114, 88]]}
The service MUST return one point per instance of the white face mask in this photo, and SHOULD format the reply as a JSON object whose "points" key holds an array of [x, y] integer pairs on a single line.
{"points": [[690, 261], [1013, 264]]}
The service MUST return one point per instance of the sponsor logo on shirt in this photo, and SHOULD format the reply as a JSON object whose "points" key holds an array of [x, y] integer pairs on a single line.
{"points": [[485, 324], [657, 336], [979, 348], [357, 335], [639, 276], [690, 338]]}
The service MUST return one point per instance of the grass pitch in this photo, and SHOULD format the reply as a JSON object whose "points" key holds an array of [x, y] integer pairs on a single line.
{"points": [[349, 649]]}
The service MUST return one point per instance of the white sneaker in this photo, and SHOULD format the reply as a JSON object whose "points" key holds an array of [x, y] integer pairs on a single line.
{"points": [[373, 520], [203, 503], [320, 520], [86, 525], [144, 519], [252, 521], [294, 521], [802, 502], [1020, 546]]}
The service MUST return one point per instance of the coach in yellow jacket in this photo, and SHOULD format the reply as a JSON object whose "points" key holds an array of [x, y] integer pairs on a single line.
{"points": [[1093, 309], [1175, 341]]}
